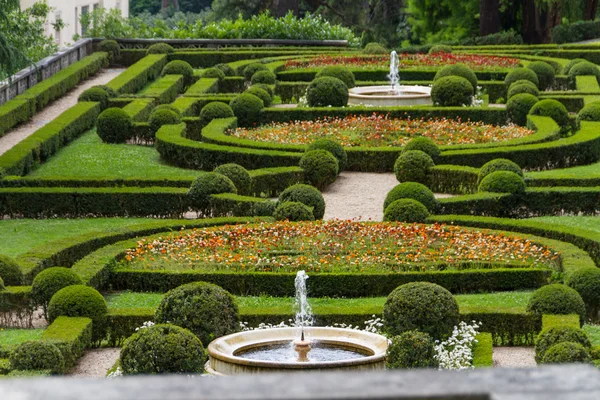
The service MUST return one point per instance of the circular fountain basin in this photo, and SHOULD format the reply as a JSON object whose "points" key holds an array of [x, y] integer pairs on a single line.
{"points": [[271, 350], [386, 96]]}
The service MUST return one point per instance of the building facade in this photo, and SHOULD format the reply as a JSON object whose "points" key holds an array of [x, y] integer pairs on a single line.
{"points": [[70, 12]]}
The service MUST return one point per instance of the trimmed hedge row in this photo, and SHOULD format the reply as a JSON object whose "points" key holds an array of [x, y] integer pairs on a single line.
{"points": [[139, 74], [408, 75], [210, 58], [202, 87], [71, 335], [454, 179], [482, 353], [139, 109], [14, 112], [165, 89], [16, 309]]}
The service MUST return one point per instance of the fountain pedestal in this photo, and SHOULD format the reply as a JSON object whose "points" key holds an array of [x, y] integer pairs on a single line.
{"points": [[386, 96]]}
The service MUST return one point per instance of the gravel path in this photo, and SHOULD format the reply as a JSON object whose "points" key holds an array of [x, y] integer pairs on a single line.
{"points": [[95, 363], [514, 357], [53, 110]]}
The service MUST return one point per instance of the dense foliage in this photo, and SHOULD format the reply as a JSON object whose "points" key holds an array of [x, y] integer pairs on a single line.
{"points": [[411, 349], [557, 299]]}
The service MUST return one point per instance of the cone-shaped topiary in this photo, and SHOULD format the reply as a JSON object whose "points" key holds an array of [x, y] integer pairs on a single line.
{"points": [[307, 195], [557, 299], [412, 190]]}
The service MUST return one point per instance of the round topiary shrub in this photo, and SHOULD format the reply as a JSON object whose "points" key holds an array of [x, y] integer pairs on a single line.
{"points": [[307, 195], [50, 281], [334, 148], [340, 72], [522, 87], [586, 281], [544, 72], [320, 167], [246, 108], [591, 112], [552, 336], [96, 95], [375, 48], [264, 77], [571, 64], [162, 117], [327, 91], [80, 301], [111, 47], [440, 48], [114, 126], [160, 48], [178, 67], [452, 91], [37, 355], [162, 349], [556, 299], [502, 182], [555, 110], [519, 74], [583, 69], [566, 353], [498, 164], [169, 107], [261, 94], [227, 70], [239, 176], [293, 211], [424, 144], [213, 110], [519, 106], [253, 68], [205, 185], [110, 91], [421, 306], [266, 88], [457, 70], [10, 271], [411, 349], [406, 210], [412, 190], [413, 166], [213, 73], [207, 310]]}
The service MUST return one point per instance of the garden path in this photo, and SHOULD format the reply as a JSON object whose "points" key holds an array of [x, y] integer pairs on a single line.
{"points": [[514, 357], [95, 363], [55, 109]]}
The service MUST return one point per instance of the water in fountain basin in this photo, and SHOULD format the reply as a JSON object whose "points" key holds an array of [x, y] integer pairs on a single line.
{"points": [[394, 75], [304, 315], [284, 353]]}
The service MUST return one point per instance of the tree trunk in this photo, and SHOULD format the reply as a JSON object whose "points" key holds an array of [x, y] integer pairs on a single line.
{"points": [[538, 22], [165, 4], [281, 7], [590, 10], [489, 17]]}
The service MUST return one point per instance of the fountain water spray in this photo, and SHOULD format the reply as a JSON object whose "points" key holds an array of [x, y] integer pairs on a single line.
{"points": [[304, 316], [394, 75]]}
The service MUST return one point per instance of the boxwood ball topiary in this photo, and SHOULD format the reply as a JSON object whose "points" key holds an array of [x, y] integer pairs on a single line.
{"points": [[502, 182], [110, 91], [567, 353], [519, 74], [239, 176], [518, 107], [213, 110], [406, 210], [261, 94], [205, 185], [340, 72], [253, 68], [96, 95], [586, 281], [10, 271], [161, 117], [411, 349], [80, 301], [572, 63], [421, 306], [590, 112], [327, 91], [50, 281], [334, 148], [498, 164], [544, 72], [246, 107], [440, 48], [375, 48], [413, 166], [556, 299], [424, 144], [265, 77], [169, 107], [178, 67], [293, 211], [227, 70], [412, 190], [522, 87], [111, 47], [162, 349], [160, 48], [583, 69], [266, 88], [213, 73], [207, 310], [555, 110], [37, 355], [457, 70], [114, 126], [320, 167], [307, 195], [452, 91], [552, 336]]}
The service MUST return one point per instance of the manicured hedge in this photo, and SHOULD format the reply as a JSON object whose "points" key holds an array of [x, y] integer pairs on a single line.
{"points": [[139, 74], [72, 335], [14, 112], [202, 87], [454, 179], [140, 109], [16, 308], [482, 353], [165, 89]]}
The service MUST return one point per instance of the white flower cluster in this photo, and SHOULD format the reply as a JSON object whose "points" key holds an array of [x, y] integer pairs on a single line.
{"points": [[457, 352], [146, 324], [477, 100], [115, 374], [245, 328], [373, 325]]}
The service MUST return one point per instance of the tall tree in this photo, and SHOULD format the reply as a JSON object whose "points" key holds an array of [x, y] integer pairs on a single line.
{"points": [[489, 17], [165, 4], [11, 58], [590, 10], [281, 7], [539, 17]]}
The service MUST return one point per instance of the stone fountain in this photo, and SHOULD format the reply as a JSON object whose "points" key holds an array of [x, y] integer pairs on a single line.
{"points": [[392, 95], [299, 348]]}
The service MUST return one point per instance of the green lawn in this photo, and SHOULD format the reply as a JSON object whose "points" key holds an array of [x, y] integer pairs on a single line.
{"points": [[581, 172], [593, 332], [89, 157], [13, 337], [591, 224]]}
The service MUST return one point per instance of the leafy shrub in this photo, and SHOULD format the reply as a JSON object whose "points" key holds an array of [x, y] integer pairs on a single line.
{"points": [[261, 94], [440, 48], [111, 47], [544, 72], [457, 70], [160, 48], [96, 95], [162, 349], [375, 48], [502, 182], [586, 281], [406, 210], [10, 271], [114, 126], [555, 110], [320, 168], [162, 117], [50, 281], [239, 176], [413, 166], [227, 70], [307, 195], [207, 310], [411, 349], [412, 190], [452, 91], [519, 74], [424, 144], [253, 68], [519, 106], [213, 73], [499, 164], [522, 86], [566, 352], [110, 91], [2, 287], [213, 110], [583, 69], [246, 108], [552, 336], [266, 77], [80, 301], [590, 112], [556, 299], [266, 88], [178, 67], [421, 306], [340, 72], [334, 148], [169, 107], [205, 185], [293, 211], [327, 91], [571, 64], [36, 355]]}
